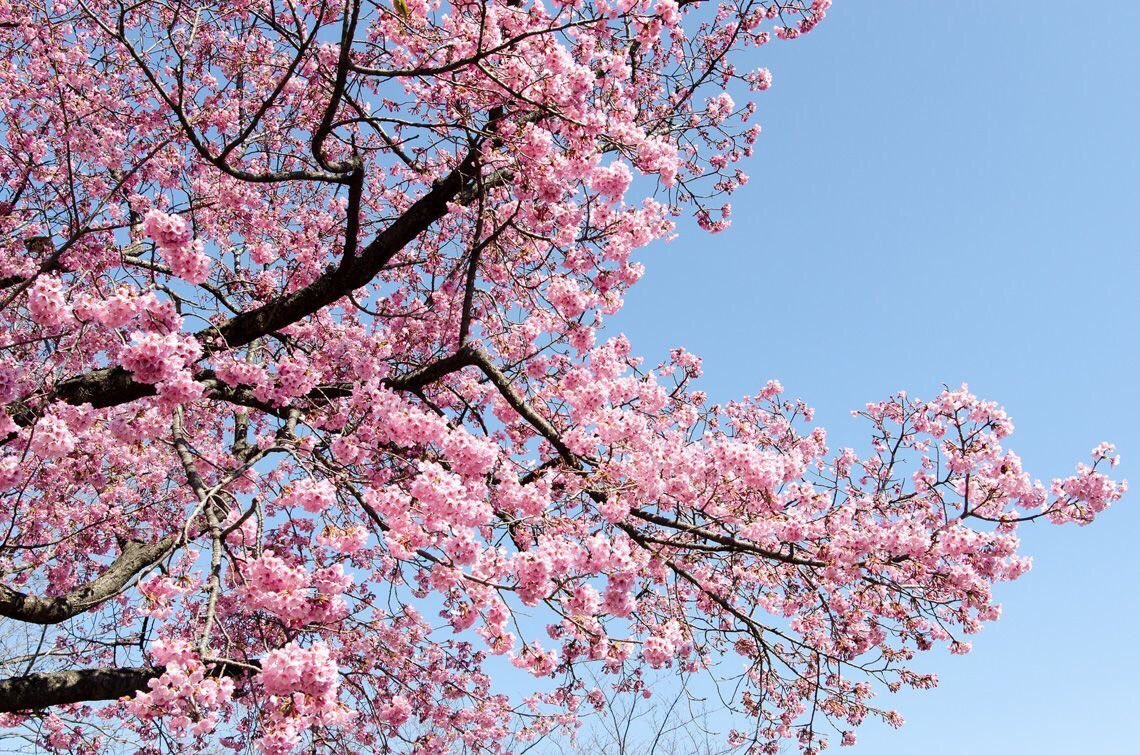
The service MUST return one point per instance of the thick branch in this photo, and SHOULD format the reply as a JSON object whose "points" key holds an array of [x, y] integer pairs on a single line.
{"points": [[109, 386], [353, 273], [113, 386], [39, 691], [135, 557]]}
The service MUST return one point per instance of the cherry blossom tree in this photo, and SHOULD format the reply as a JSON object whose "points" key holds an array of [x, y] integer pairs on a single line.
{"points": [[309, 430]]}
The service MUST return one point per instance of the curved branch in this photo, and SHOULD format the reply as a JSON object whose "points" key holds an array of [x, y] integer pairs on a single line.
{"points": [[32, 609]]}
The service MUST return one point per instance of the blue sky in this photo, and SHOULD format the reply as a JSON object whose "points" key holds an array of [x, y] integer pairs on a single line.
{"points": [[948, 192]]}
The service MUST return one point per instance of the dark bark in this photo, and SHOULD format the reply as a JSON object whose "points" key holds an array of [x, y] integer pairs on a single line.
{"points": [[34, 692], [36, 610], [353, 273], [38, 691], [136, 556], [109, 386], [113, 386]]}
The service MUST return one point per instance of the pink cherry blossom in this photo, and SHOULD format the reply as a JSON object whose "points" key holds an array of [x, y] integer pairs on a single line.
{"points": [[311, 410]]}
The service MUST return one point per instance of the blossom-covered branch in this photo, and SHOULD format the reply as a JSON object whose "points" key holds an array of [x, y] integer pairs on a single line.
{"points": [[307, 414]]}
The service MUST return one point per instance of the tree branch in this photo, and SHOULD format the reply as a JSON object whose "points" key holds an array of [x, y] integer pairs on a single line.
{"points": [[112, 386], [39, 691], [351, 274], [519, 404], [726, 540], [32, 609]]}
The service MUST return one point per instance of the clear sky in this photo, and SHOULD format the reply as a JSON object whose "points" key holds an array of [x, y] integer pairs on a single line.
{"points": [[948, 192]]}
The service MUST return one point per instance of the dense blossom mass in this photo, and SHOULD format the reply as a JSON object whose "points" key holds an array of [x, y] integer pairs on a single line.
{"points": [[311, 432]]}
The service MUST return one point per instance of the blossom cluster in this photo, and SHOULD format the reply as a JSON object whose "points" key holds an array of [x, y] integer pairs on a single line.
{"points": [[185, 255]]}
